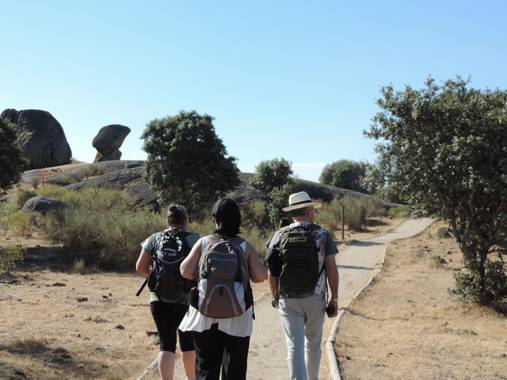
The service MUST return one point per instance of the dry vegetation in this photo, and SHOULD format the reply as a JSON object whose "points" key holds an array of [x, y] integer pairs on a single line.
{"points": [[407, 326], [62, 317]]}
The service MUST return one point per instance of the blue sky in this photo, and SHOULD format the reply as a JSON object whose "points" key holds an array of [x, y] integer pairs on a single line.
{"points": [[292, 79]]}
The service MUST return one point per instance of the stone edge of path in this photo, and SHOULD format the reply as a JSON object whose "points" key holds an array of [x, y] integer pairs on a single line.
{"points": [[334, 369]]}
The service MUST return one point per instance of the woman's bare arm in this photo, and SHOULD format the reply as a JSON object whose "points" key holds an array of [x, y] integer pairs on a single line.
{"points": [[143, 263]]}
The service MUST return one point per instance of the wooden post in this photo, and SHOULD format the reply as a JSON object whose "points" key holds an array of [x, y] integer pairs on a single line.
{"points": [[343, 223]]}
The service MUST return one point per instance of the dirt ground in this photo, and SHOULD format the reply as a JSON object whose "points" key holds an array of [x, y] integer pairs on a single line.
{"points": [[407, 326], [58, 324]]}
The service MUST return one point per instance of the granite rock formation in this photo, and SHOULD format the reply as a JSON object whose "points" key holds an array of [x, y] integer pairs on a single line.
{"points": [[108, 142], [44, 142]]}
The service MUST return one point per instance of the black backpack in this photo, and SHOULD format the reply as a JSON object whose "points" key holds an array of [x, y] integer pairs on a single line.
{"points": [[300, 260], [165, 279]]}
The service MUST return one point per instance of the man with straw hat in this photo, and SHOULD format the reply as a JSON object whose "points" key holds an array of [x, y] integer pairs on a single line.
{"points": [[301, 259]]}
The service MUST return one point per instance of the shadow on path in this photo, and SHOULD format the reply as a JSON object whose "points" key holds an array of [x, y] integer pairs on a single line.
{"points": [[354, 267], [362, 243]]}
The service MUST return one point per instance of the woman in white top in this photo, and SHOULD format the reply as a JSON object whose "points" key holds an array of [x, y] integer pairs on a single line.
{"points": [[222, 343]]}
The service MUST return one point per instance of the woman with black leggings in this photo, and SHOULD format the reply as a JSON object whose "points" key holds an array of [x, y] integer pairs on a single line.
{"points": [[168, 313], [221, 344]]}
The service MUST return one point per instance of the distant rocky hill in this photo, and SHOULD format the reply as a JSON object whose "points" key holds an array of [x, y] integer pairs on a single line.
{"points": [[128, 176]]}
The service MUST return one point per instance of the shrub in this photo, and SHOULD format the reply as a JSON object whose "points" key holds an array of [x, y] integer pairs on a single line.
{"points": [[92, 171], [11, 162], [399, 212], [469, 287], [355, 212], [20, 223], [329, 215], [51, 191], [111, 239], [257, 238], [99, 224], [9, 256], [79, 266], [204, 226], [374, 207], [255, 214], [22, 195]]}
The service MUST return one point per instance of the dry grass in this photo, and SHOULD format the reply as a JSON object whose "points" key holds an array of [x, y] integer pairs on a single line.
{"points": [[47, 333], [406, 326]]}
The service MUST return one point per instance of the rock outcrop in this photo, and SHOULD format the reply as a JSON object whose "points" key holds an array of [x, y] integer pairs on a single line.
{"points": [[108, 142], [44, 142], [43, 205]]}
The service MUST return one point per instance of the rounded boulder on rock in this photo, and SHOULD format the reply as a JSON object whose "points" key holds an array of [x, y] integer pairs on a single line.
{"points": [[44, 143], [110, 138], [43, 205]]}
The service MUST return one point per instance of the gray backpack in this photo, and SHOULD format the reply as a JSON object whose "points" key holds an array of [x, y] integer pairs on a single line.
{"points": [[224, 280]]}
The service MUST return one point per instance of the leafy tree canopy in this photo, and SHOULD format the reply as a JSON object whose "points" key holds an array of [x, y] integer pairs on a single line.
{"points": [[187, 162], [344, 173], [272, 174], [11, 163], [444, 148]]}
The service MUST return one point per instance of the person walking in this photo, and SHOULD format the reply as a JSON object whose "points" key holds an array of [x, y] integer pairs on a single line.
{"points": [[160, 258], [221, 312], [301, 258]]}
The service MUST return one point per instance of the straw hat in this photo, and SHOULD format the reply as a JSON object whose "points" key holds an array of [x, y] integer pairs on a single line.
{"points": [[301, 200]]}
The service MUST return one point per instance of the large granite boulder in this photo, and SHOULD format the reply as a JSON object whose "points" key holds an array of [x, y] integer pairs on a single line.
{"points": [[108, 142], [44, 143]]}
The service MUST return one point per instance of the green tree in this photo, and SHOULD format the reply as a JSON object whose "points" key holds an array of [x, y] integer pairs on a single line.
{"points": [[272, 174], [11, 163], [445, 147], [373, 180], [344, 173], [187, 162], [278, 199]]}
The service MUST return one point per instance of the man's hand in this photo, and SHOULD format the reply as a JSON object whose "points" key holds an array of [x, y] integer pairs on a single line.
{"points": [[332, 308]]}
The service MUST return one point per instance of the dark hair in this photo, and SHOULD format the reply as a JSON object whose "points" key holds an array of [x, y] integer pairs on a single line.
{"points": [[283, 222], [298, 212], [177, 215], [227, 216]]}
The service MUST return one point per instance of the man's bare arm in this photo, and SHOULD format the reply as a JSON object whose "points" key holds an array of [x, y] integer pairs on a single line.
{"points": [[332, 280]]}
